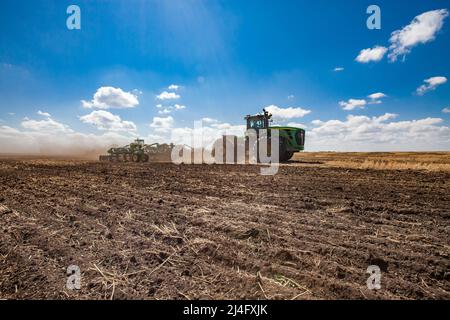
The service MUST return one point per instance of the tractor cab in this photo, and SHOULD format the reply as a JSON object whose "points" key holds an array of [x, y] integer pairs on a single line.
{"points": [[138, 144], [259, 121]]}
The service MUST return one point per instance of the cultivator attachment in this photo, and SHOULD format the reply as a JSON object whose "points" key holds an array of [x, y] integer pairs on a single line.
{"points": [[138, 151]]}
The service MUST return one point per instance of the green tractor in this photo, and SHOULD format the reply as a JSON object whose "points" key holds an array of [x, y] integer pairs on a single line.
{"points": [[292, 139]]}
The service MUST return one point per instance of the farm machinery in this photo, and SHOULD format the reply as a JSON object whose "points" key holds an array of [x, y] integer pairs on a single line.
{"points": [[138, 151], [290, 141], [240, 149]]}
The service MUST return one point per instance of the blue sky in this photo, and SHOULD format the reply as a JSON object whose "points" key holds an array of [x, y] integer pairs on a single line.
{"points": [[228, 59]]}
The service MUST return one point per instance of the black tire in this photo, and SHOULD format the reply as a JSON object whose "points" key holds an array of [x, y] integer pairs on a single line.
{"points": [[284, 155]]}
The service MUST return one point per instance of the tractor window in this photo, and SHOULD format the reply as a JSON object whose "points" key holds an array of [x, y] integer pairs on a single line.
{"points": [[256, 124]]}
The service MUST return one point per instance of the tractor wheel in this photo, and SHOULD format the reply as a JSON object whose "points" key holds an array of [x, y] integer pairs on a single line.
{"points": [[283, 155], [286, 156], [135, 157], [144, 158]]}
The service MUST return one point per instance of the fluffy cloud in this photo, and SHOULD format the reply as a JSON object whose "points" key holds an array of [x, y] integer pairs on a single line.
{"points": [[105, 120], [362, 133], [169, 109], [446, 110], [352, 104], [205, 135], [167, 96], [421, 30], [209, 120], [161, 124], [297, 125], [204, 132], [173, 87], [44, 114], [48, 125], [431, 84], [355, 133], [375, 98], [164, 111], [371, 54], [286, 113], [109, 97]]}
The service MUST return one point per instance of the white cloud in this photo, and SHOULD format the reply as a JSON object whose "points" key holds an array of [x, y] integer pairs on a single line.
{"points": [[286, 113], [290, 97], [371, 54], [109, 97], [165, 111], [376, 96], [48, 125], [446, 110], [205, 135], [297, 125], [44, 114], [431, 84], [338, 69], [355, 133], [162, 124], [170, 109], [173, 87], [352, 104], [362, 133], [421, 30], [105, 120], [210, 120], [167, 96]]}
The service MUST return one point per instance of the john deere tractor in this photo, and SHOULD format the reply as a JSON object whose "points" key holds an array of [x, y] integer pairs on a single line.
{"points": [[291, 139]]}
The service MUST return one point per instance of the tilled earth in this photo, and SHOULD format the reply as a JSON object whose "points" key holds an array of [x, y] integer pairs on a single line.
{"points": [[162, 231]]}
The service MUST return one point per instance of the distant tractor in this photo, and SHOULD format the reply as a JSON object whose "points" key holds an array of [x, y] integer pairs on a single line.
{"points": [[138, 151], [291, 139]]}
